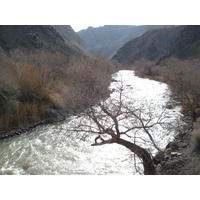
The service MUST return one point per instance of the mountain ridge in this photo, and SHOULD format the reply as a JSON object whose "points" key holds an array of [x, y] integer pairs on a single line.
{"points": [[39, 38], [109, 38], [152, 45]]}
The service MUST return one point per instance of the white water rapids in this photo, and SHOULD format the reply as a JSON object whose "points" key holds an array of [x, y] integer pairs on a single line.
{"points": [[46, 151]]}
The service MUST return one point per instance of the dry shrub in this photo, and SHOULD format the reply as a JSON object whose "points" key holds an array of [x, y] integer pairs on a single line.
{"points": [[88, 85], [183, 78], [23, 56], [187, 103], [31, 86], [35, 83], [144, 67], [22, 116], [5, 60], [26, 99], [5, 123], [29, 111], [196, 140]]}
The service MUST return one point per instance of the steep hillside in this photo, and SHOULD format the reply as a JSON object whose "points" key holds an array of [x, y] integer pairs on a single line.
{"points": [[108, 39], [152, 45], [44, 77], [69, 35], [187, 45], [44, 38], [72, 39]]}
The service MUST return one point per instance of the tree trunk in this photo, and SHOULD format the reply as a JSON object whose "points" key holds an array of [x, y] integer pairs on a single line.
{"points": [[149, 168]]}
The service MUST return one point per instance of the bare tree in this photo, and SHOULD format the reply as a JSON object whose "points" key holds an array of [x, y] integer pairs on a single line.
{"points": [[118, 120]]}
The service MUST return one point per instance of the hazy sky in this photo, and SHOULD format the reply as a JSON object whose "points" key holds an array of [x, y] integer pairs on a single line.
{"points": [[83, 13], [128, 12], [82, 26]]}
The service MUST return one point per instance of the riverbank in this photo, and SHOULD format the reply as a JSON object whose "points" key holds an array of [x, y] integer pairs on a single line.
{"points": [[51, 150], [175, 154], [58, 116], [182, 155]]}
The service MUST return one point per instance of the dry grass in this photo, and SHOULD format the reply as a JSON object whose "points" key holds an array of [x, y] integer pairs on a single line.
{"points": [[42, 82], [23, 116], [32, 100]]}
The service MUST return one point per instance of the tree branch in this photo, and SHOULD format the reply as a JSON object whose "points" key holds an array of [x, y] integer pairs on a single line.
{"points": [[102, 141]]}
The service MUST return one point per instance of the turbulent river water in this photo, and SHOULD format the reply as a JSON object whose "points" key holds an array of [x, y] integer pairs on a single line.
{"points": [[46, 151]]}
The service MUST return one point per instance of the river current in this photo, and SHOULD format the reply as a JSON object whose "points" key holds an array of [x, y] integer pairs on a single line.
{"points": [[46, 150]]}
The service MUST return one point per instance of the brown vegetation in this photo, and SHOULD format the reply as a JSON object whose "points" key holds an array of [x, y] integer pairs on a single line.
{"points": [[143, 67], [181, 75], [35, 85], [196, 140], [183, 79], [147, 69]]}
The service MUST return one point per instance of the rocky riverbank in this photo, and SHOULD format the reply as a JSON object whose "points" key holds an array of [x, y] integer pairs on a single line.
{"points": [[181, 157]]}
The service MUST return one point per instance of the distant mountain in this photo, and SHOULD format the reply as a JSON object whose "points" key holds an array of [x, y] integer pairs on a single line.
{"points": [[152, 45], [108, 39]]}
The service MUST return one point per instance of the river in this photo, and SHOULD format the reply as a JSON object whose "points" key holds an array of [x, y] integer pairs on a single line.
{"points": [[46, 150]]}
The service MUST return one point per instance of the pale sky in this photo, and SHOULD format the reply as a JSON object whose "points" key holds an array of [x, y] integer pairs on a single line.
{"points": [[83, 13], [82, 26]]}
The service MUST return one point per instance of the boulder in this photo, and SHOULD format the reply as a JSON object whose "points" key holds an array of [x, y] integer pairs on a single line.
{"points": [[158, 157], [175, 153]]}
